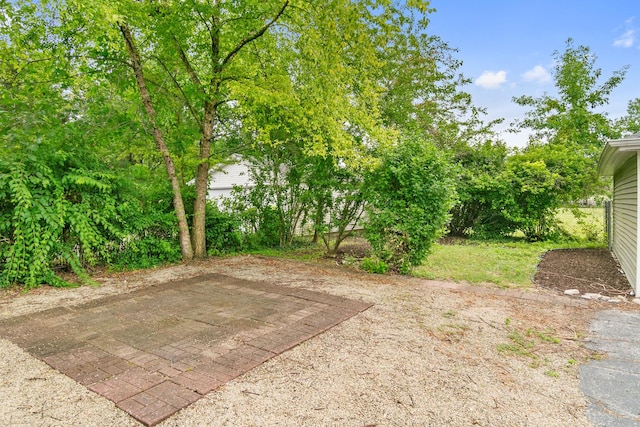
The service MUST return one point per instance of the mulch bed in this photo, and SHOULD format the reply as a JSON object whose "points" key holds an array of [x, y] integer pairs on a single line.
{"points": [[588, 270]]}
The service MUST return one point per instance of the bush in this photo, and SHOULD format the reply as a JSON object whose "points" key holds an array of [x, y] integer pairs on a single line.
{"points": [[222, 231], [527, 197], [145, 252], [410, 195], [374, 265], [53, 211], [150, 234], [477, 169]]}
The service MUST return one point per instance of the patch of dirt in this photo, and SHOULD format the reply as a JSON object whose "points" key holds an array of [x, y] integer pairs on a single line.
{"points": [[353, 247], [587, 270], [456, 240]]}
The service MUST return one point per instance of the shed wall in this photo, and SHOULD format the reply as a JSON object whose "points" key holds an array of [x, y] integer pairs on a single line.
{"points": [[625, 218]]}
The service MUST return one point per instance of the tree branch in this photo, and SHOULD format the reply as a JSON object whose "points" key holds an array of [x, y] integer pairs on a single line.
{"points": [[204, 21], [187, 65], [184, 95], [255, 35]]}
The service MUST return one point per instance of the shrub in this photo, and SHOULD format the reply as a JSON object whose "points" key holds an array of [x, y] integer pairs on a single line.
{"points": [[527, 197], [149, 232], [374, 265], [222, 231], [410, 195], [477, 168], [145, 252], [52, 211]]}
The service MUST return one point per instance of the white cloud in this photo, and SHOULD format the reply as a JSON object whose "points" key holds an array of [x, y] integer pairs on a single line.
{"points": [[629, 37], [491, 79], [537, 74], [626, 40]]}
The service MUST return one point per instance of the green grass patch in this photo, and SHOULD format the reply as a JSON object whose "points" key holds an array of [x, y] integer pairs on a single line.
{"points": [[510, 263], [526, 345], [584, 224], [505, 264], [519, 346]]}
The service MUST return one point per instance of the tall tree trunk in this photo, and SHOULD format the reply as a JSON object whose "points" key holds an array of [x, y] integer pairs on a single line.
{"points": [[178, 204], [202, 182]]}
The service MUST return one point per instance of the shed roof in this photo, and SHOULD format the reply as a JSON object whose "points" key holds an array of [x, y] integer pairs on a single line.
{"points": [[616, 152]]}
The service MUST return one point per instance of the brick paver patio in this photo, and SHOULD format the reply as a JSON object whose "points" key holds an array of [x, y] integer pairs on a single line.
{"points": [[154, 351]]}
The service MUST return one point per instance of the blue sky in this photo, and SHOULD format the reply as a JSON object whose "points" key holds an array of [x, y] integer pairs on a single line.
{"points": [[507, 45]]}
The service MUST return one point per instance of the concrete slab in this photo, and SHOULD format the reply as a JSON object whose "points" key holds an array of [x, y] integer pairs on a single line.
{"points": [[157, 350], [612, 385]]}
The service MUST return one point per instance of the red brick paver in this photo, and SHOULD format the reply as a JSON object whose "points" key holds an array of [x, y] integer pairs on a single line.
{"points": [[157, 350]]}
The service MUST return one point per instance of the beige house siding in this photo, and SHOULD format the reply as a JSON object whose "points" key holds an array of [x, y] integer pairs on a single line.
{"points": [[625, 218]]}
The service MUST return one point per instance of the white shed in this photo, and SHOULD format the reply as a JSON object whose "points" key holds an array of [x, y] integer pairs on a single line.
{"points": [[620, 159]]}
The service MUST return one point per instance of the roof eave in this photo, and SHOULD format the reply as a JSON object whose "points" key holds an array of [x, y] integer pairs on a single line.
{"points": [[616, 152]]}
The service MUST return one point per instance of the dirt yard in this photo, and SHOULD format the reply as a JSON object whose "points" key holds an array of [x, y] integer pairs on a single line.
{"points": [[587, 270], [426, 353]]}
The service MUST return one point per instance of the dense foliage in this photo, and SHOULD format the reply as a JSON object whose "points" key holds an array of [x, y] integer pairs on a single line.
{"points": [[410, 194], [53, 211], [501, 192], [477, 167], [112, 114], [570, 130]]}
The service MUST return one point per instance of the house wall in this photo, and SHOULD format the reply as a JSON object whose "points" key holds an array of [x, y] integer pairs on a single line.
{"points": [[225, 177], [625, 218], [221, 182]]}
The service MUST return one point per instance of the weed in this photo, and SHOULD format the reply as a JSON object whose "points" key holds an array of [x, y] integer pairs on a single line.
{"points": [[552, 373], [449, 314], [527, 343], [597, 356], [349, 260], [543, 335], [519, 346], [374, 265]]}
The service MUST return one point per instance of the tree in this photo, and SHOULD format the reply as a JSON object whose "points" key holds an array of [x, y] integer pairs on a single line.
{"points": [[204, 63], [74, 176], [423, 92], [630, 123], [338, 200], [571, 119], [526, 197], [198, 63], [50, 202]]}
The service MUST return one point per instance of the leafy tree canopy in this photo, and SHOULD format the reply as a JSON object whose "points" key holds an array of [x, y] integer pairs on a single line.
{"points": [[630, 123], [571, 125], [572, 116]]}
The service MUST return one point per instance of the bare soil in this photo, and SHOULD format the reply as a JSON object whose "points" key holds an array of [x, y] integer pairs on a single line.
{"points": [[588, 270], [426, 353]]}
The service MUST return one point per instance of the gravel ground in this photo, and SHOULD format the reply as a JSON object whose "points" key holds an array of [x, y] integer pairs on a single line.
{"points": [[423, 355]]}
